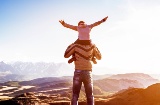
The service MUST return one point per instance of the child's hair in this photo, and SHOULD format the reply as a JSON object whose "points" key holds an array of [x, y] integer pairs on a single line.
{"points": [[80, 22]]}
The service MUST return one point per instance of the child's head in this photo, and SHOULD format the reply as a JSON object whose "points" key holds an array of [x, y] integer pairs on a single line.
{"points": [[81, 24]]}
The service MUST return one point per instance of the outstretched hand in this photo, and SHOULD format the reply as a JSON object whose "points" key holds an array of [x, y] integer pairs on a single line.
{"points": [[104, 19], [61, 21]]}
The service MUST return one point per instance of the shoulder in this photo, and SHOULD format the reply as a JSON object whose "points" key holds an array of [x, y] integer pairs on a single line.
{"points": [[92, 44], [90, 26]]}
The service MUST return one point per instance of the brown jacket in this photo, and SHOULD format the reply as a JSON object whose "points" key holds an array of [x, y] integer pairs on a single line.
{"points": [[83, 55]]}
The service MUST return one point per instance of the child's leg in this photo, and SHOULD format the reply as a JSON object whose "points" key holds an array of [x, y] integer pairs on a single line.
{"points": [[72, 59], [94, 60], [73, 56], [86, 42], [83, 42]]}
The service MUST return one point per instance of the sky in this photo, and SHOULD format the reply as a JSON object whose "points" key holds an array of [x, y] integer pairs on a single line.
{"points": [[129, 40]]}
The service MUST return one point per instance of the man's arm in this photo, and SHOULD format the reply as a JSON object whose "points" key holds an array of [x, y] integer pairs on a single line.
{"points": [[68, 25], [97, 53], [69, 51], [99, 22]]}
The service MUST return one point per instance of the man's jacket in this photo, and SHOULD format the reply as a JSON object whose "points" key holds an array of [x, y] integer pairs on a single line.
{"points": [[83, 55]]}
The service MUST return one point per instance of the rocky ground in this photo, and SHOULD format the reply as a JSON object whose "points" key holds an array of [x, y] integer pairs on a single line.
{"points": [[131, 96]]}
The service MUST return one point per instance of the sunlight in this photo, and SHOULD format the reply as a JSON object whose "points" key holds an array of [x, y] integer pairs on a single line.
{"points": [[136, 45]]}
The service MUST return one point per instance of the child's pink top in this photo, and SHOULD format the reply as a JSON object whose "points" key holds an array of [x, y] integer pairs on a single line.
{"points": [[83, 33]]}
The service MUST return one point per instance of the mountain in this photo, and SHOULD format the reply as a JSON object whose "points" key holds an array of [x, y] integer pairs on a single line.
{"points": [[156, 76], [42, 69], [97, 77], [20, 71], [23, 71], [48, 85], [144, 79], [46, 80], [5, 67], [136, 96], [13, 77], [124, 81], [52, 85], [113, 85]]}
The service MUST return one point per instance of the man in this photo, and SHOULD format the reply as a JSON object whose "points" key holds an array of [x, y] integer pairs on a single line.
{"points": [[83, 69]]}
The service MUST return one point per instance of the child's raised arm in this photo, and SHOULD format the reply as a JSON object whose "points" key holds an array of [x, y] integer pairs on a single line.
{"points": [[99, 22], [68, 25]]}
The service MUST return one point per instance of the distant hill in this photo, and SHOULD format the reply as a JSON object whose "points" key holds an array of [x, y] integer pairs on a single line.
{"points": [[97, 77], [46, 80], [137, 96], [48, 84], [113, 85], [142, 78], [13, 77], [22, 71]]}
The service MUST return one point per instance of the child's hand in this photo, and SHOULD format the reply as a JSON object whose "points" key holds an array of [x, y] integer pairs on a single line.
{"points": [[104, 19], [61, 21]]}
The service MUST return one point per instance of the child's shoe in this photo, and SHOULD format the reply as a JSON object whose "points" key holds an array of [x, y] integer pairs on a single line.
{"points": [[94, 60], [72, 59]]}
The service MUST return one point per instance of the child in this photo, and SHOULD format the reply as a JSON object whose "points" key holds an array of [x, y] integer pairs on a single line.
{"points": [[83, 34]]}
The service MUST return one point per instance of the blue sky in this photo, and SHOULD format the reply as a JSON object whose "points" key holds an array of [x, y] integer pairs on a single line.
{"points": [[129, 40]]}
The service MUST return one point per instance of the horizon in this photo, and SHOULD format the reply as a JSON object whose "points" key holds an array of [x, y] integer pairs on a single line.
{"points": [[128, 40], [94, 70]]}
